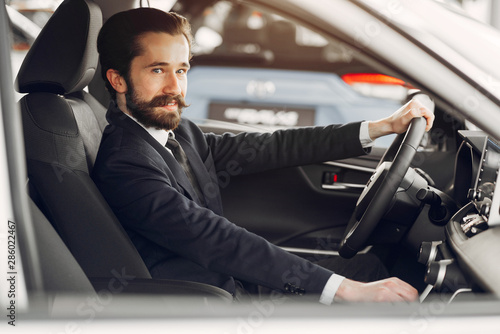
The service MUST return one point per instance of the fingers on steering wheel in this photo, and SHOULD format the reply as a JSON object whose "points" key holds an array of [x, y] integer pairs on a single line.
{"points": [[417, 109]]}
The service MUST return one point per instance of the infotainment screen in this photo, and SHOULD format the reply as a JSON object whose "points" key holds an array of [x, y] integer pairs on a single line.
{"points": [[486, 199]]}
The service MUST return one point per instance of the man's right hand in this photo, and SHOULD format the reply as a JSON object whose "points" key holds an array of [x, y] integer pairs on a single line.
{"points": [[387, 290]]}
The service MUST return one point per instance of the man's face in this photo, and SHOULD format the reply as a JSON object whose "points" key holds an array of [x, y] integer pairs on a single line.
{"points": [[157, 81]]}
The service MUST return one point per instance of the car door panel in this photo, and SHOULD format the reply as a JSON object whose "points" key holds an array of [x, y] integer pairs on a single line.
{"points": [[294, 207]]}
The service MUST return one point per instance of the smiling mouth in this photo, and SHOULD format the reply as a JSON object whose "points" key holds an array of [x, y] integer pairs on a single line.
{"points": [[172, 106]]}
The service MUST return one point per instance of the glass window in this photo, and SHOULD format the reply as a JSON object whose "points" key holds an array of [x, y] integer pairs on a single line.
{"points": [[27, 18], [258, 68]]}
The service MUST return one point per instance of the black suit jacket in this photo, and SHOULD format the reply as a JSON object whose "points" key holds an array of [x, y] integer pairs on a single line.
{"points": [[177, 236]]}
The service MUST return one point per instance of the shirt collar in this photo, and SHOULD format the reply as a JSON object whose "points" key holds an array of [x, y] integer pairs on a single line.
{"points": [[161, 136]]}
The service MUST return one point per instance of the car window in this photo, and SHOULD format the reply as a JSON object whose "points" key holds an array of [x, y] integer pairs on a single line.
{"points": [[27, 18], [257, 68]]}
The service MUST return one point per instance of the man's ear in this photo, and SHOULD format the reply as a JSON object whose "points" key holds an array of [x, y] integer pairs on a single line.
{"points": [[117, 81]]}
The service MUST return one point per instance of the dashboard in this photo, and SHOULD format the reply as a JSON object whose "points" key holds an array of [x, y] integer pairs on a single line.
{"points": [[477, 165], [466, 260]]}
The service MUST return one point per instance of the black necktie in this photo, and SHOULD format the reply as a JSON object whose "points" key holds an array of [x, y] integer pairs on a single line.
{"points": [[179, 154]]}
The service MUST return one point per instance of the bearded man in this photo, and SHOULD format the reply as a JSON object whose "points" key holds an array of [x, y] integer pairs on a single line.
{"points": [[158, 171]]}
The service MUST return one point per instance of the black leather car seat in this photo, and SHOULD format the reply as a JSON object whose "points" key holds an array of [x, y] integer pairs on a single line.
{"points": [[63, 125]]}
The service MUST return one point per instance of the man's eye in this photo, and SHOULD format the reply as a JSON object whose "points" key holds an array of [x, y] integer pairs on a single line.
{"points": [[182, 71], [157, 70]]}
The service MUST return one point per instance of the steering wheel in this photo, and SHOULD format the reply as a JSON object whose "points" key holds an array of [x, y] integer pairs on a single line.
{"points": [[383, 184]]}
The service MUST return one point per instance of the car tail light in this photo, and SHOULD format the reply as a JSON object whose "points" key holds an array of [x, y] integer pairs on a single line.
{"points": [[373, 78], [378, 85]]}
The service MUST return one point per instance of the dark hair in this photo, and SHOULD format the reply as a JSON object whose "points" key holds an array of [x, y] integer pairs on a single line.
{"points": [[117, 42]]}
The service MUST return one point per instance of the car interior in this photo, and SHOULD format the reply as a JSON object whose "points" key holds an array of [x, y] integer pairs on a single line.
{"points": [[306, 209]]}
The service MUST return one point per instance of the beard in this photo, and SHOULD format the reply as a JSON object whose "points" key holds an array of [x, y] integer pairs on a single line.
{"points": [[146, 112]]}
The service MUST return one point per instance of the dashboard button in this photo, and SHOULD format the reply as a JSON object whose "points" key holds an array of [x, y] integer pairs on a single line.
{"points": [[485, 209], [480, 195], [471, 194]]}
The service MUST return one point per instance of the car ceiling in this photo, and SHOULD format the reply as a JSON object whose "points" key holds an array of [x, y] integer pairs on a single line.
{"points": [[110, 7]]}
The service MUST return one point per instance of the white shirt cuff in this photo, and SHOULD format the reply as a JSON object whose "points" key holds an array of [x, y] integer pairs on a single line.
{"points": [[364, 136], [330, 289]]}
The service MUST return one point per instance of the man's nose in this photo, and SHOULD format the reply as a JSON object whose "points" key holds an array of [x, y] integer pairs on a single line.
{"points": [[172, 85]]}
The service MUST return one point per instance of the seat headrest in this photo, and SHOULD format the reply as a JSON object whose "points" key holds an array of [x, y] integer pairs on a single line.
{"points": [[64, 57]]}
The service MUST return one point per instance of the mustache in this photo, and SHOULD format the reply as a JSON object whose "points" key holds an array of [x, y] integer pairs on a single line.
{"points": [[163, 100]]}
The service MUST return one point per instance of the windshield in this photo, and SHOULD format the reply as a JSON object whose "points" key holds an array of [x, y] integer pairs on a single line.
{"points": [[464, 42]]}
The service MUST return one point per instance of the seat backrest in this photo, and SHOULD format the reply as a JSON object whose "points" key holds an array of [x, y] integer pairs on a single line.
{"points": [[63, 126]]}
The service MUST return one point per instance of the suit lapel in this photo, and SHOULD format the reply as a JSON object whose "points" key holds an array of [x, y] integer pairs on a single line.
{"points": [[195, 147]]}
